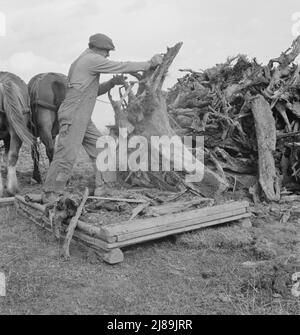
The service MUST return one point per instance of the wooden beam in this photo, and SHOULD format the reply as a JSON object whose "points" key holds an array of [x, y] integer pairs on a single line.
{"points": [[134, 201], [175, 207], [177, 231], [143, 224], [7, 201], [72, 226], [180, 224]]}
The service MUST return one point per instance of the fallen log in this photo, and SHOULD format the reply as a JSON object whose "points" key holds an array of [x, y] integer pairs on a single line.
{"points": [[266, 141]]}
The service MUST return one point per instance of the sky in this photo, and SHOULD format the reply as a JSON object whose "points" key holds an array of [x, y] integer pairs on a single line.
{"points": [[47, 36]]}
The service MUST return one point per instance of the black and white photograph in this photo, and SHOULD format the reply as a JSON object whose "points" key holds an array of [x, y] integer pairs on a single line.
{"points": [[150, 161]]}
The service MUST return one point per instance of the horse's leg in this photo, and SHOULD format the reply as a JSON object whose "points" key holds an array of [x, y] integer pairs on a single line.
{"points": [[46, 138], [6, 141], [46, 119], [36, 160], [55, 130], [6, 145], [13, 155], [35, 155]]}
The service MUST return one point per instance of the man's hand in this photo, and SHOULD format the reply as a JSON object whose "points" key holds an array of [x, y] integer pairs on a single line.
{"points": [[156, 60], [118, 80], [110, 84]]}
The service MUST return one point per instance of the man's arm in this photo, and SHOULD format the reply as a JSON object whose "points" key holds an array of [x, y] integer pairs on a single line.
{"points": [[105, 87], [103, 65], [108, 85]]}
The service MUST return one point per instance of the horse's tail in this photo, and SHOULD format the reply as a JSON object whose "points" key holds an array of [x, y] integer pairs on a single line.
{"points": [[33, 87], [15, 104]]}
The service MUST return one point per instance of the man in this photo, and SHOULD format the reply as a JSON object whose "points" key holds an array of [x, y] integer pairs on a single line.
{"points": [[75, 113]]}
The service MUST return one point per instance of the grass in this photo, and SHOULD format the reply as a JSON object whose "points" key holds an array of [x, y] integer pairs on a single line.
{"points": [[197, 273]]}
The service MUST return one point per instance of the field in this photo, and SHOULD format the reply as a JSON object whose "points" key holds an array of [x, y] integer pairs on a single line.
{"points": [[226, 270]]}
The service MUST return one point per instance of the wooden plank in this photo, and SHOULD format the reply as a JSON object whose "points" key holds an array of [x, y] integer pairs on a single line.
{"points": [[179, 224], [93, 241], [175, 207], [176, 231], [112, 256], [7, 201], [143, 224], [94, 231], [134, 201]]}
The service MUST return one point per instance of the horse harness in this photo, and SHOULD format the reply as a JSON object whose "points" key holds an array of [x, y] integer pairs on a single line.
{"points": [[36, 101]]}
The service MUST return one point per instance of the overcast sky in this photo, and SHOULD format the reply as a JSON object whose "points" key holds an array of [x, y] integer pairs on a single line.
{"points": [[44, 36]]}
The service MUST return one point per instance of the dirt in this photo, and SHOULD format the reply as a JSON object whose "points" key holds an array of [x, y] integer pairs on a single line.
{"points": [[226, 270]]}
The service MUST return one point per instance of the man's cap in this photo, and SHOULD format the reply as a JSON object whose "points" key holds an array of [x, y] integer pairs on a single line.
{"points": [[102, 41]]}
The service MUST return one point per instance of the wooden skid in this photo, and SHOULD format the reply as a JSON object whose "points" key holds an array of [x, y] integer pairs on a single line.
{"points": [[109, 239]]}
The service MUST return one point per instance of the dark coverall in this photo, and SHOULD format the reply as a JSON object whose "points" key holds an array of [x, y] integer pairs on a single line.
{"points": [[74, 116]]}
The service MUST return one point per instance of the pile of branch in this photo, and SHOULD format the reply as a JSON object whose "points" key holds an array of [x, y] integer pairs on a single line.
{"points": [[249, 115]]}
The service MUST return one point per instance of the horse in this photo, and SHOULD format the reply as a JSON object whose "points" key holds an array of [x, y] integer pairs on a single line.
{"points": [[14, 121], [47, 91]]}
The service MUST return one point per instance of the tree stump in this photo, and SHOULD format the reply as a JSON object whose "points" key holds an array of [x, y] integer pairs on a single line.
{"points": [[144, 113]]}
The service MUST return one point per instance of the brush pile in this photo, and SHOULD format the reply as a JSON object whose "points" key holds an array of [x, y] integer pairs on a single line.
{"points": [[249, 115]]}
